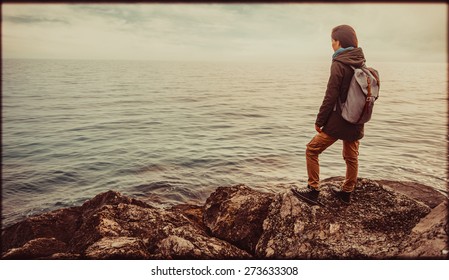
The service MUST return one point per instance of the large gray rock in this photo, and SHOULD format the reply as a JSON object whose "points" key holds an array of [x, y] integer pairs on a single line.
{"points": [[374, 225]]}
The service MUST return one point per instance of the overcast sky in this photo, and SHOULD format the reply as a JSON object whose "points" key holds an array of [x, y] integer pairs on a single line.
{"points": [[230, 32]]}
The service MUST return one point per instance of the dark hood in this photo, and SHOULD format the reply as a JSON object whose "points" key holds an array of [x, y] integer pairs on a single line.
{"points": [[354, 57]]}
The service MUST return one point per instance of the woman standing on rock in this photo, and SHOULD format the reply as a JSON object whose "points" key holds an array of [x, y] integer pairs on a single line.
{"points": [[329, 123]]}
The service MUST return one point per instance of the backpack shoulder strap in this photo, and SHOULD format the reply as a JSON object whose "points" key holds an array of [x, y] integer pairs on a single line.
{"points": [[371, 70]]}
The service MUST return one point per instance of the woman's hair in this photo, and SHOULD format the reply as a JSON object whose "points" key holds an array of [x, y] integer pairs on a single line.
{"points": [[345, 34]]}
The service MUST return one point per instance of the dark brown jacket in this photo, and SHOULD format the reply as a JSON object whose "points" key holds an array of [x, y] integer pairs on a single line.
{"points": [[340, 77]]}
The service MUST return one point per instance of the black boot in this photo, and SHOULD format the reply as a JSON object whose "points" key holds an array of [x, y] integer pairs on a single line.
{"points": [[344, 197], [307, 194]]}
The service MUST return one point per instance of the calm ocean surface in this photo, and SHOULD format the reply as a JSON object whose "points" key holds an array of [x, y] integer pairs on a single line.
{"points": [[173, 132]]}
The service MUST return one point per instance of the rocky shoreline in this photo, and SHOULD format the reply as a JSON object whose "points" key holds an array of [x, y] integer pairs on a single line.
{"points": [[386, 220]]}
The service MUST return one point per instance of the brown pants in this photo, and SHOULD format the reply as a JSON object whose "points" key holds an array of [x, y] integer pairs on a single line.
{"points": [[321, 142]]}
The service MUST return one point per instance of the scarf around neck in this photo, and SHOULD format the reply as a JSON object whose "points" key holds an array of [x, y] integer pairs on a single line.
{"points": [[340, 50]]}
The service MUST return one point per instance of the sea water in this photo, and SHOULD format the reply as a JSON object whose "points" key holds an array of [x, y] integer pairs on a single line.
{"points": [[172, 132]]}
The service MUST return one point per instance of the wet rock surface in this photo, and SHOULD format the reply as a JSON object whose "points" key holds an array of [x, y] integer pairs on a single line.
{"points": [[239, 222]]}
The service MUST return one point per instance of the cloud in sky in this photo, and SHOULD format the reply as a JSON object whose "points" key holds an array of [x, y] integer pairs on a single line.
{"points": [[210, 32]]}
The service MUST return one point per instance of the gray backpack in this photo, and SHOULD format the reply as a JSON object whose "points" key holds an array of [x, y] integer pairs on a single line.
{"points": [[363, 92]]}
